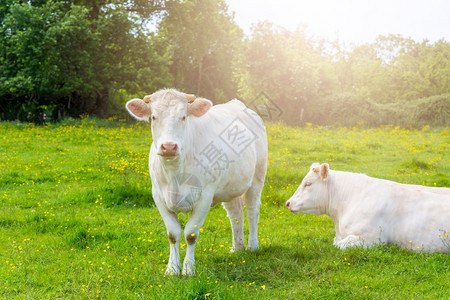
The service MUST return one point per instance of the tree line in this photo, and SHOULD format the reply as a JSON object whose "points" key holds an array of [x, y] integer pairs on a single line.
{"points": [[67, 58]]}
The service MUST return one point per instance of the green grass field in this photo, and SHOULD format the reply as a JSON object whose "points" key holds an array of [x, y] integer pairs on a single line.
{"points": [[77, 218]]}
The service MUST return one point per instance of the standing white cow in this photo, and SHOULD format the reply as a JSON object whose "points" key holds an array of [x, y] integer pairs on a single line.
{"points": [[202, 155], [367, 211]]}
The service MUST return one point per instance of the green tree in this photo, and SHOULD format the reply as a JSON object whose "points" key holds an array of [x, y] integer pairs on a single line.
{"points": [[394, 80], [203, 40], [394, 68], [69, 56], [287, 66], [420, 71]]}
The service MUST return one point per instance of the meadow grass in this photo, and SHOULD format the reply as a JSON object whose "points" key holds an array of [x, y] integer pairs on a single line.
{"points": [[77, 218]]}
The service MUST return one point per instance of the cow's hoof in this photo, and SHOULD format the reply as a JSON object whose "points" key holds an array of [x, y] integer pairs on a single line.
{"points": [[171, 271], [252, 245], [189, 272], [188, 268], [237, 248]]}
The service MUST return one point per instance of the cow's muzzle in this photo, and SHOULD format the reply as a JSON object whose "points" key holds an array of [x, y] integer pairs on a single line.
{"points": [[289, 207], [168, 150]]}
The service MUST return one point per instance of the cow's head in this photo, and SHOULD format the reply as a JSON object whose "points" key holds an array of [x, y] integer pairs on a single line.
{"points": [[169, 111], [311, 196]]}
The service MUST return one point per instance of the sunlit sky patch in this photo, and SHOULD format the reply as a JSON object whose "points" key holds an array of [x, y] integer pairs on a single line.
{"points": [[351, 21]]}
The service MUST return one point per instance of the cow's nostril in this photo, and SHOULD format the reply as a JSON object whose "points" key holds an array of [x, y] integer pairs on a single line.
{"points": [[169, 149], [288, 204]]}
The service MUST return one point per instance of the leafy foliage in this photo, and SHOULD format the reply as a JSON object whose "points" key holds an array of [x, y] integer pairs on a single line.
{"points": [[68, 58], [350, 110], [203, 40], [286, 66]]}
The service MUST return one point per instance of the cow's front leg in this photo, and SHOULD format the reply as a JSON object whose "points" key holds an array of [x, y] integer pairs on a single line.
{"points": [[174, 234], [191, 233]]}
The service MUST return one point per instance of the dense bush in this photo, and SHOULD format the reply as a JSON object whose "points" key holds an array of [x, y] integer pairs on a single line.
{"points": [[433, 111], [349, 110]]}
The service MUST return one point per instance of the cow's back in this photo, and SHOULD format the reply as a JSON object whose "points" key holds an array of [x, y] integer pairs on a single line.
{"points": [[228, 148]]}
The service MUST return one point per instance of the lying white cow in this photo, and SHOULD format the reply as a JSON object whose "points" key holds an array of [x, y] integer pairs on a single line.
{"points": [[368, 211], [201, 155]]}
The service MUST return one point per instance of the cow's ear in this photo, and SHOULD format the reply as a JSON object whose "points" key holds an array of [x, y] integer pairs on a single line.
{"points": [[324, 170], [139, 109], [199, 107]]}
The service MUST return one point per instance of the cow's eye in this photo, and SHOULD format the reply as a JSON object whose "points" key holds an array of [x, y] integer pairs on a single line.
{"points": [[183, 118], [308, 183], [153, 118]]}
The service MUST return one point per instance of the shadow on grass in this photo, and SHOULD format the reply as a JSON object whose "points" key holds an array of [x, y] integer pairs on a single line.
{"points": [[118, 195], [265, 264], [284, 262]]}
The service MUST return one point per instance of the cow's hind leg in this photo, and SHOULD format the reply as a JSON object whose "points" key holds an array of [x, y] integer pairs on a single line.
{"points": [[349, 241], [235, 212], [252, 202]]}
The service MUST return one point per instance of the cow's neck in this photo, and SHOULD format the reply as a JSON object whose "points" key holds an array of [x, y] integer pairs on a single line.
{"points": [[341, 189], [331, 205], [171, 168]]}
